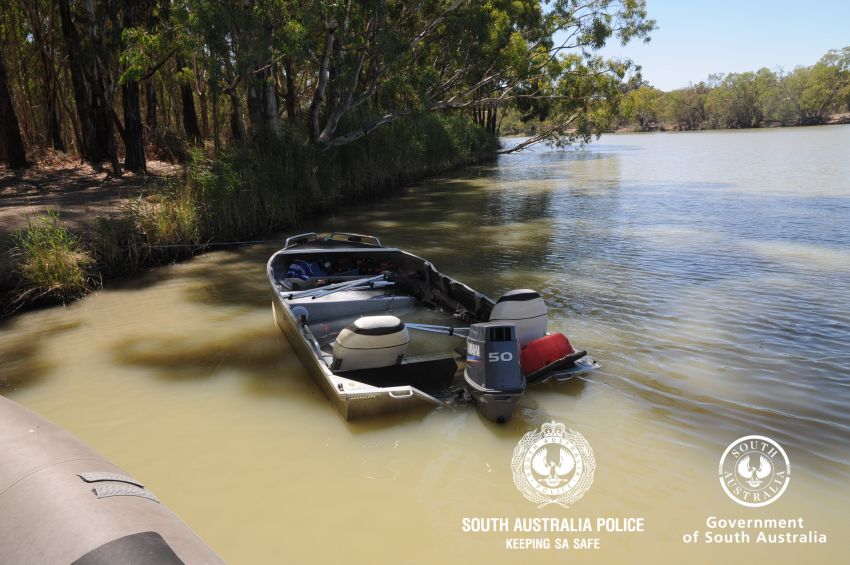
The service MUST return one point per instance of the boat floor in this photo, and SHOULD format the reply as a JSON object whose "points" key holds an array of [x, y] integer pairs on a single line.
{"points": [[431, 363]]}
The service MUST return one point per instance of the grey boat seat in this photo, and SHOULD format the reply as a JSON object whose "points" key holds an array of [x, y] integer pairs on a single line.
{"points": [[349, 304]]}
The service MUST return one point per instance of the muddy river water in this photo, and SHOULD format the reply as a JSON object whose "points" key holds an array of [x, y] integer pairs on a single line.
{"points": [[708, 273]]}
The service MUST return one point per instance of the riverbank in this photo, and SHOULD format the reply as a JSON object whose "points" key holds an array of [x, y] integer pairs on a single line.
{"points": [[239, 195], [661, 127], [76, 190], [833, 120]]}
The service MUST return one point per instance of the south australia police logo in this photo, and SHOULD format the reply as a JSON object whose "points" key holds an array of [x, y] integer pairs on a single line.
{"points": [[754, 471], [553, 465]]}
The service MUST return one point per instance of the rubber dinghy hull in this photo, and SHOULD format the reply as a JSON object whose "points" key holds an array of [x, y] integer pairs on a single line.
{"points": [[62, 502]]}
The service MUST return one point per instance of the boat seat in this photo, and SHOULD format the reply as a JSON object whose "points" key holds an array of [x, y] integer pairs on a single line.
{"points": [[352, 303]]}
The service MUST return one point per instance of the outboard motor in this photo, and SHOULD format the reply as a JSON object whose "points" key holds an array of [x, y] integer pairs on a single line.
{"points": [[370, 342], [493, 374], [525, 309]]}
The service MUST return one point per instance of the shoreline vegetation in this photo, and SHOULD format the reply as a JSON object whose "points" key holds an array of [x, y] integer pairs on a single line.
{"points": [[238, 196]]}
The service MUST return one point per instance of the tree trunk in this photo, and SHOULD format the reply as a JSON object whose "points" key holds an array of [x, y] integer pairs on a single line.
{"points": [[187, 102], [254, 98], [216, 127], [271, 110], [290, 90], [237, 124], [134, 159], [11, 144], [321, 84], [78, 81], [190, 118], [134, 146], [93, 109], [26, 123], [164, 101], [205, 122], [150, 110], [53, 129], [262, 100], [201, 88], [491, 118]]}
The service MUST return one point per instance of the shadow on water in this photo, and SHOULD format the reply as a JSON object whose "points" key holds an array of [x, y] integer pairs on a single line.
{"points": [[233, 279], [22, 359], [259, 357], [187, 358]]}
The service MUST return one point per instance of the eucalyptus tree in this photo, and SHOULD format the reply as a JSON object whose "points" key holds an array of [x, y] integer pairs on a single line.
{"points": [[735, 102], [11, 145], [383, 60], [328, 71], [643, 106], [41, 18], [86, 31], [815, 92]]}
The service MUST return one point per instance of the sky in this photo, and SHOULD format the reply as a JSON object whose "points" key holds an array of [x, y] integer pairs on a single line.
{"points": [[697, 38]]}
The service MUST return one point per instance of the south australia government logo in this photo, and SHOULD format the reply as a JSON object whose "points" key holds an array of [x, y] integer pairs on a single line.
{"points": [[754, 471], [553, 465]]}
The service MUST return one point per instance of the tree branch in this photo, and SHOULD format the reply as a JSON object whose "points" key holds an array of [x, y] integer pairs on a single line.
{"points": [[365, 130], [541, 136], [319, 93], [153, 70]]}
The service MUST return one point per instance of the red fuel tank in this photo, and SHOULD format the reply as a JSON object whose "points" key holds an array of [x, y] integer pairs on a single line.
{"points": [[543, 351]]}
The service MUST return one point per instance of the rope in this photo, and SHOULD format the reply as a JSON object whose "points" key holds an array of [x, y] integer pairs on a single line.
{"points": [[213, 244]]}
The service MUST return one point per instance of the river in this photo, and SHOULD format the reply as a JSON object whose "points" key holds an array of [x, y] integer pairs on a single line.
{"points": [[708, 273]]}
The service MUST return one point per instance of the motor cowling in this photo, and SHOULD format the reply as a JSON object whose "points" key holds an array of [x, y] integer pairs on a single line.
{"points": [[492, 357], [370, 342], [525, 309]]}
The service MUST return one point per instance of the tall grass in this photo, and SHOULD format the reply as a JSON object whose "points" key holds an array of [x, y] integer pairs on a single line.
{"points": [[49, 262]]}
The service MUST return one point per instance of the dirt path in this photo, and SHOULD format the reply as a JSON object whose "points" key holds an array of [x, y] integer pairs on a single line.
{"points": [[75, 190]]}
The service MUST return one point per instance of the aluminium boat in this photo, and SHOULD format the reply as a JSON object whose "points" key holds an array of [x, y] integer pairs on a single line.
{"points": [[380, 330]]}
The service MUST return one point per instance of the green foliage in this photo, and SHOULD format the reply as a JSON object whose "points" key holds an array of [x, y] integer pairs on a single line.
{"points": [[735, 102], [141, 49], [643, 106], [49, 261], [686, 107], [805, 96]]}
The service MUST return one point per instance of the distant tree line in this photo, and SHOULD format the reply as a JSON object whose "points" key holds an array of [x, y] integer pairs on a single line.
{"points": [[805, 96], [116, 81]]}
